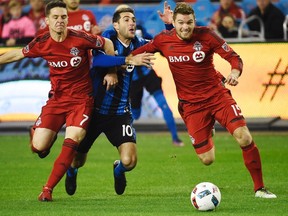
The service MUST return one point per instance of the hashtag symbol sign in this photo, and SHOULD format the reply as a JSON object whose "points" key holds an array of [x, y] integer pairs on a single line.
{"points": [[272, 83]]}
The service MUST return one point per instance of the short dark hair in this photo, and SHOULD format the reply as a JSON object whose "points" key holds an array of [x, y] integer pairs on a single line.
{"points": [[183, 8], [53, 4], [116, 15]]}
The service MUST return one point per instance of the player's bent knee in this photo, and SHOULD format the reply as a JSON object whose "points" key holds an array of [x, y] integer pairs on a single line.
{"points": [[207, 161], [129, 162], [243, 136]]}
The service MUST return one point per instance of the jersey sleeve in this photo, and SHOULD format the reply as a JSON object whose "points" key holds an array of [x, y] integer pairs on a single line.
{"points": [[32, 49], [100, 59], [99, 43], [221, 47]]}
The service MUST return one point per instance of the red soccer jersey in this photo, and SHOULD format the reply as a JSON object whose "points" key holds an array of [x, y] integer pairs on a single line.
{"points": [[191, 62], [81, 20], [68, 61]]}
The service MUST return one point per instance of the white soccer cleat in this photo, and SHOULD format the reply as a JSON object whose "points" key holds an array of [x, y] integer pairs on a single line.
{"points": [[264, 193]]}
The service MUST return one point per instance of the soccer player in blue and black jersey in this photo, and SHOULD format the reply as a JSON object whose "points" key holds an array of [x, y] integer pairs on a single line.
{"points": [[112, 112]]}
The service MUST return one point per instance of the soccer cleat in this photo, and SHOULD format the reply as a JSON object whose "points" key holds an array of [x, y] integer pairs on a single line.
{"points": [[178, 143], [264, 193], [119, 182], [45, 195], [70, 181]]}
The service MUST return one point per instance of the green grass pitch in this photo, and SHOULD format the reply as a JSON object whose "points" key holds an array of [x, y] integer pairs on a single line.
{"points": [[159, 185]]}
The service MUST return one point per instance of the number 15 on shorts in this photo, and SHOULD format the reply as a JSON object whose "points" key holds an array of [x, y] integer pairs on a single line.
{"points": [[236, 109]]}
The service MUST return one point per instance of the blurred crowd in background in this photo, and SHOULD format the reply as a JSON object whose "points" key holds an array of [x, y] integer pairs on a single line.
{"points": [[21, 20]]}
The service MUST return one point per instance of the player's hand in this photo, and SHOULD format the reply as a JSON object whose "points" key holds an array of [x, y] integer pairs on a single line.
{"points": [[142, 59], [232, 78], [167, 15], [110, 80]]}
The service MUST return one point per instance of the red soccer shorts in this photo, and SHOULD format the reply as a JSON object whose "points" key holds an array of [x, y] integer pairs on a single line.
{"points": [[56, 113], [200, 118]]}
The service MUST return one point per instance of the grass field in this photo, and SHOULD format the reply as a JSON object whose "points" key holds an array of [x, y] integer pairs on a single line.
{"points": [[159, 185]]}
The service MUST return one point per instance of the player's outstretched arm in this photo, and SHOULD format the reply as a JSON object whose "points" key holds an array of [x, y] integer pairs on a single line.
{"points": [[11, 56], [100, 59]]}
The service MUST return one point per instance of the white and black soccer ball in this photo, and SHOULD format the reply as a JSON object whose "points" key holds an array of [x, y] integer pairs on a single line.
{"points": [[205, 196]]}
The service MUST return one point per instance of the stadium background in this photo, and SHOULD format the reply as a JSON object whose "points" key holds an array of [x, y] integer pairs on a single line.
{"points": [[24, 85]]}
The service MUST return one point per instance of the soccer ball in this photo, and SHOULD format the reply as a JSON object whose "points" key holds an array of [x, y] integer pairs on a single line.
{"points": [[205, 196]]}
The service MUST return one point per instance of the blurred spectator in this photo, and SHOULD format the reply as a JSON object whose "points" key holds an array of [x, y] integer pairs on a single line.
{"points": [[4, 16], [37, 13], [272, 18], [228, 27], [80, 19], [20, 29], [235, 16]]}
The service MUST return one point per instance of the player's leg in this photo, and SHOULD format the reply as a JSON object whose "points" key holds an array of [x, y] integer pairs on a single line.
{"points": [[127, 162], [42, 141], [93, 131], [153, 86], [230, 116], [72, 172], [43, 133], [252, 161], [199, 126], [76, 124], [63, 161], [122, 135]]}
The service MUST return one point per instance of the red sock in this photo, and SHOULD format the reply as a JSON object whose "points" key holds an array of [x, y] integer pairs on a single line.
{"points": [[62, 163], [252, 162]]}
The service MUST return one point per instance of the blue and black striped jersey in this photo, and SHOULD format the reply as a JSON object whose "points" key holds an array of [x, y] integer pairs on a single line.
{"points": [[115, 101]]}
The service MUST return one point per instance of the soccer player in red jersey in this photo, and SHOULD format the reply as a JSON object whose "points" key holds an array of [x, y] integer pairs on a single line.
{"points": [[80, 19], [71, 100], [202, 97]]}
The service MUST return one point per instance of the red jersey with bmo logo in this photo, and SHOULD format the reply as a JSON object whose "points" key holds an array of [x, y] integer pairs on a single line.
{"points": [[68, 62], [191, 61], [81, 20]]}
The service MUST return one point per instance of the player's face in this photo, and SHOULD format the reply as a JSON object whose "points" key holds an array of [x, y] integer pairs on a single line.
{"points": [[184, 25], [57, 20], [72, 4], [126, 26]]}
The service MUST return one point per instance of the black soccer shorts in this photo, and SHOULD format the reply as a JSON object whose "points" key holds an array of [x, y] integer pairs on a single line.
{"points": [[117, 128]]}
